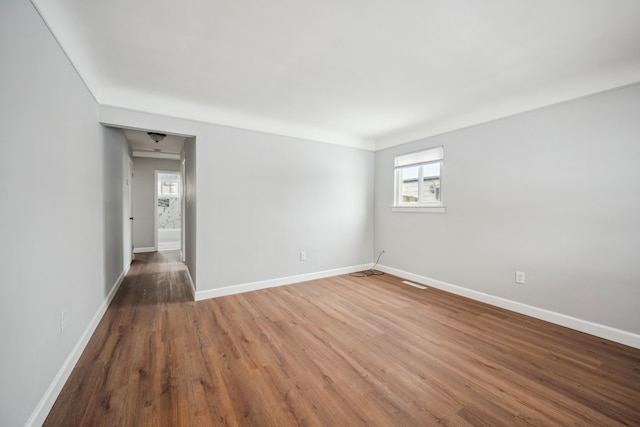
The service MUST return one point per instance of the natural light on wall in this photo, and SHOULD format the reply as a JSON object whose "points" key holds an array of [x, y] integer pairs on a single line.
{"points": [[417, 181]]}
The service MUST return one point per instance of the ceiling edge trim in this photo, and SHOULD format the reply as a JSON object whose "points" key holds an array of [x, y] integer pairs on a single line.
{"points": [[136, 118], [424, 132], [64, 51]]}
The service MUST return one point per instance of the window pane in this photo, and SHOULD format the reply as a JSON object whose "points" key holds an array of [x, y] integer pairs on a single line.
{"points": [[168, 188], [417, 178], [431, 183], [409, 184], [431, 190], [169, 184]]}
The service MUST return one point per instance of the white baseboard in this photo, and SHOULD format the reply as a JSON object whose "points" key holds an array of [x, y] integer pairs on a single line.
{"points": [[193, 285], [602, 331], [254, 286], [39, 415], [142, 250]]}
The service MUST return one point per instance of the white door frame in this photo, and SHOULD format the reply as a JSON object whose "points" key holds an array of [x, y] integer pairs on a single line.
{"points": [[155, 204], [131, 218], [183, 235]]}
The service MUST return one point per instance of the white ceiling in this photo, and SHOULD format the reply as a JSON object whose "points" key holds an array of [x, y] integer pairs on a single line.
{"points": [[366, 73]]}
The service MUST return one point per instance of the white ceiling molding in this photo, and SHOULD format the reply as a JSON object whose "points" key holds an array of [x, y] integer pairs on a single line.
{"points": [[488, 113], [351, 72], [151, 103]]}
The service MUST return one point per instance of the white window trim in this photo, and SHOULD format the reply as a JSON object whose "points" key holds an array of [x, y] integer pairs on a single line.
{"points": [[419, 209], [433, 207]]}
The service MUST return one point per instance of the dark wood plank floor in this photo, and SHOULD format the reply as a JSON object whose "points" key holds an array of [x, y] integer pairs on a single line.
{"points": [[342, 351]]}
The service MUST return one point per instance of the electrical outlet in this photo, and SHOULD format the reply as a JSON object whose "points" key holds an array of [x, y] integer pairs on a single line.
{"points": [[62, 321], [520, 277], [303, 256]]}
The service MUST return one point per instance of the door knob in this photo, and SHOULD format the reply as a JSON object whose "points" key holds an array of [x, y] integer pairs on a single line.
{"points": [[131, 217]]}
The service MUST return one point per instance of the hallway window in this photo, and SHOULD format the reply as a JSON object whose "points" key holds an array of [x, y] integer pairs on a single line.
{"points": [[169, 185]]}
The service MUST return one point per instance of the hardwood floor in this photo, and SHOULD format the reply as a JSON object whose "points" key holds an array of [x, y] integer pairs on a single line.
{"points": [[342, 351]]}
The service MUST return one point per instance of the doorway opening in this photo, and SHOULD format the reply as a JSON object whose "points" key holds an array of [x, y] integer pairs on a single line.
{"points": [[168, 207]]}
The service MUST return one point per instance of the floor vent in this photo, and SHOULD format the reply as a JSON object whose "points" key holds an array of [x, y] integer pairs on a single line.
{"points": [[415, 285]]}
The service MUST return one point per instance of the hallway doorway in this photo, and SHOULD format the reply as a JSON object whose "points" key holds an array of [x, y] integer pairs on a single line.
{"points": [[168, 207]]}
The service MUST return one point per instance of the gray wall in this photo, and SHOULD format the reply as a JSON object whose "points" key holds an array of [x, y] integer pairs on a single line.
{"points": [[552, 192], [264, 198], [144, 197], [62, 214], [191, 235]]}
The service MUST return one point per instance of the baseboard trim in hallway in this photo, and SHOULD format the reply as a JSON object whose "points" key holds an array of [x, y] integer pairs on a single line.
{"points": [[192, 285], [49, 398], [144, 250]]}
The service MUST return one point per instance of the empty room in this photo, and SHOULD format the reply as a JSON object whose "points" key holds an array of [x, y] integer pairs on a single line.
{"points": [[321, 213]]}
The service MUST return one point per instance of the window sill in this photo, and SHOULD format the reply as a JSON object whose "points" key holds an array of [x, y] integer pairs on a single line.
{"points": [[418, 209]]}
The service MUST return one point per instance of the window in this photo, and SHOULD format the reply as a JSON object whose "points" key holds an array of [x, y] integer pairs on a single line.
{"points": [[168, 188], [417, 179], [168, 185]]}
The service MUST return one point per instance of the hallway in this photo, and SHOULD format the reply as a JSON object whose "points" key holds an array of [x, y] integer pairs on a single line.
{"points": [[134, 360]]}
